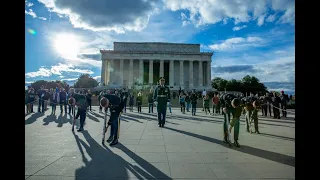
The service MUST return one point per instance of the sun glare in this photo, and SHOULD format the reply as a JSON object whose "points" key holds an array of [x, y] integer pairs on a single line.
{"points": [[67, 45]]}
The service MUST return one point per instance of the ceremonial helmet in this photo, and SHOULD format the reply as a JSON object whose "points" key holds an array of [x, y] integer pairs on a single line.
{"points": [[256, 103], [71, 101], [104, 102], [236, 102]]}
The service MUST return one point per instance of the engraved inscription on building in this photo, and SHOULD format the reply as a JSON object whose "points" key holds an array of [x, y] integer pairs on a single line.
{"points": [[157, 47]]}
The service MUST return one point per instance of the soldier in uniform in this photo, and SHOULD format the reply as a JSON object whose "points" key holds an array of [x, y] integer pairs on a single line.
{"points": [[116, 105], [226, 105], [161, 99], [82, 104]]}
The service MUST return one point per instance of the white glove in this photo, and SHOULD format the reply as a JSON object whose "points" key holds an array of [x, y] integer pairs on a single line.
{"points": [[156, 103], [168, 103]]}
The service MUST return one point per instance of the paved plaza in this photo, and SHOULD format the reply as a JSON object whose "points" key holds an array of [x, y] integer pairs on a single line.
{"points": [[188, 147]]}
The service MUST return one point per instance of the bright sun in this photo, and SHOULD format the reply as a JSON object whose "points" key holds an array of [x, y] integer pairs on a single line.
{"points": [[67, 45]]}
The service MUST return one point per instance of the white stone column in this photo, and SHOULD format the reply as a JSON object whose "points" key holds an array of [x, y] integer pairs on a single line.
{"points": [[150, 71], [200, 74], [191, 73], [209, 73], [107, 72], [141, 71], [161, 73], [121, 72], [103, 67], [181, 73], [131, 73], [171, 73], [112, 71]]}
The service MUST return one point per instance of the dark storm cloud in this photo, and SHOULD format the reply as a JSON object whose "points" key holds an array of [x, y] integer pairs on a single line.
{"points": [[106, 13], [90, 56], [233, 69]]}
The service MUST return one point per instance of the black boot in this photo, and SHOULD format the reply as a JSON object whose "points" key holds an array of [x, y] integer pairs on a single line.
{"points": [[236, 143], [114, 142], [110, 139]]}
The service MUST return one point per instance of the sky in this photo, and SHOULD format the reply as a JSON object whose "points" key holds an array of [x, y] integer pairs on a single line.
{"points": [[247, 37]]}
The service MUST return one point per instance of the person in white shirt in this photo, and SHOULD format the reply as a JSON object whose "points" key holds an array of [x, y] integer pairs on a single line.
{"points": [[204, 93]]}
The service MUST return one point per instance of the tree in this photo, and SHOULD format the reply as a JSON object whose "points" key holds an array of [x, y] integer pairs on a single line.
{"points": [[247, 84], [86, 81], [48, 84], [219, 83]]}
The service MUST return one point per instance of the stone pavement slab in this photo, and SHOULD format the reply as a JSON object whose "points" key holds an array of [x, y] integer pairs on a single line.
{"points": [[188, 147]]}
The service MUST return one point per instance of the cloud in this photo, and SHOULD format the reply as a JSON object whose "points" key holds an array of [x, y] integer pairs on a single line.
{"points": [[57, 70], [203, 12], [234, 69], [29, 4], [42, 18], [119, 16], [260, 20], [271, 18], [42, 72], [237, 28], [237, 43], [31, 13], [275, 68]]}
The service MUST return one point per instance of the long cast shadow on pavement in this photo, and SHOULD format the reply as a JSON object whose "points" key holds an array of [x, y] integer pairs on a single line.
{"points": [[277, 136], [273, 156], [33, 118], [219, 121], [105, 164], [151, 117]]}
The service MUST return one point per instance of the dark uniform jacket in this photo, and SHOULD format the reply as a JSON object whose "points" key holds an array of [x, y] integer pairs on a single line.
{"points": [[162, 96]]}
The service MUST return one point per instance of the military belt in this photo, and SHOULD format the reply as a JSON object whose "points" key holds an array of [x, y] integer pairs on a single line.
{"points": [[162, 95]]}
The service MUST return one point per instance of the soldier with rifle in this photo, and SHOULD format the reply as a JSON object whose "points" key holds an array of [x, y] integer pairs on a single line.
{"points": [[116, 105]]}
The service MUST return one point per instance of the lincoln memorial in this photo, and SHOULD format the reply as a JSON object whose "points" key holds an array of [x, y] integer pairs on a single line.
{"points": [[141, 64]]}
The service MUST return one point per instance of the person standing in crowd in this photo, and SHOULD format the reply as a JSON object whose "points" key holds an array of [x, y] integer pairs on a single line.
{"points": [[63, 100], [284, 102], [182, 102], [206, 104], [264, 106], [46, 98], [40, 94], [99, 98], [188, 100], [215, 101], [150, 101], [53, 101], [276, 105], [194, 100], [126, 94], [131, 102], [31, 99], [89, 99], [268, 99], [161, 99], [254, 117], [139, 102], [204, 93]]}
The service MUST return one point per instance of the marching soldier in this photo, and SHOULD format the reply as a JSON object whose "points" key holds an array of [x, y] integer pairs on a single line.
{"points": [[116, 105], [236, 110], [226, 105], [161, 99], [82, 104]]}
